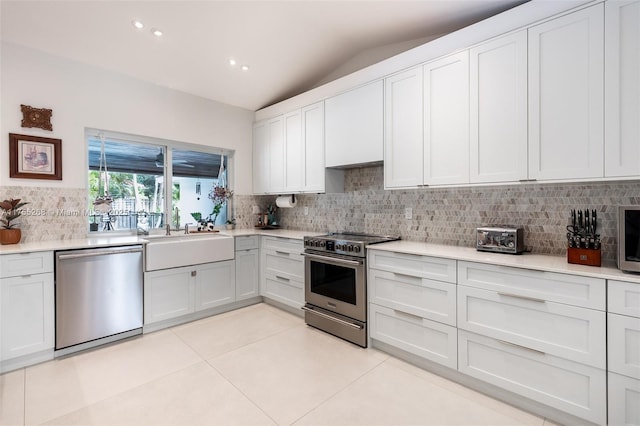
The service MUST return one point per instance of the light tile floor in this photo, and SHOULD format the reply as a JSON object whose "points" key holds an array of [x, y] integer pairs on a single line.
{"points": [[258, 365]]}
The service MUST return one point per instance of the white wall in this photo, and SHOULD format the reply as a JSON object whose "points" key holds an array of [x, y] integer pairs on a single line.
{"points": [[86, 96]]}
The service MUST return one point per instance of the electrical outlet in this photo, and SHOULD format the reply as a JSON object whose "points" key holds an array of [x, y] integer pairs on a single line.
{"points": [[306, 211], [408, 213]]}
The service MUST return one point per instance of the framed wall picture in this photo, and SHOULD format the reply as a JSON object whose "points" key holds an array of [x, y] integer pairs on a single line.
{"points": [[34, 157]]}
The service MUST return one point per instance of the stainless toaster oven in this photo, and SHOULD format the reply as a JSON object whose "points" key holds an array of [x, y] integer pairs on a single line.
{"points": [[500, 239]]}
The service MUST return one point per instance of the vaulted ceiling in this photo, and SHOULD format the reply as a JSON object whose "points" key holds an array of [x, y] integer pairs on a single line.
{"points": [[288, 46]]}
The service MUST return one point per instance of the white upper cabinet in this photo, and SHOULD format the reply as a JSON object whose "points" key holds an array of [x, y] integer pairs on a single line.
{"points": [[313, 139], [622, 88], [276, 155], [498, 110], [566, 85], [294, 152], [260, 158], [446, 120], [403, 141], [353, 126]]}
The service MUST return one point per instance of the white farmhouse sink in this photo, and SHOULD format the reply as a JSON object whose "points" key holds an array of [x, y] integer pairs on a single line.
{"points": [[170, 251]]}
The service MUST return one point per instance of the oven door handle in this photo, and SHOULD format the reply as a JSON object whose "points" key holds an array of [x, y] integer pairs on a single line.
{"points": [[333, 259], [329, 317]]}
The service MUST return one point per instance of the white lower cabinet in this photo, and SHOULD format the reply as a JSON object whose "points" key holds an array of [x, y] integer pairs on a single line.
{"points": [[561, 330], [624, 400], [569, 386], [27, 322], [247, 274], [428, 339], [215, 285], [429, 299], [171, 293], [282, 271], [26, 314]]}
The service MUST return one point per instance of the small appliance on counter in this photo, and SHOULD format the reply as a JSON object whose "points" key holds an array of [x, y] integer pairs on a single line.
{"points": [[583, 243], [500, 239], [629, 238]]}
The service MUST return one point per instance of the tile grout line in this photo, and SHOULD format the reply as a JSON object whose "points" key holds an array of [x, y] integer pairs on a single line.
{"points": [[375, 367], [241, 392]]}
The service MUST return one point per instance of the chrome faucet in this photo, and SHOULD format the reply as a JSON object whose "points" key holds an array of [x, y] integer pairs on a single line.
{"points": [[168, 229], [186, 228], [142, 231]]}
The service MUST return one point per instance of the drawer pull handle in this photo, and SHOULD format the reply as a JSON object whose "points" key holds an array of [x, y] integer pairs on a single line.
{"points": [[517, 296], [406, 314], [282, 278], [521, 347], [399, 274], [282, 253]]}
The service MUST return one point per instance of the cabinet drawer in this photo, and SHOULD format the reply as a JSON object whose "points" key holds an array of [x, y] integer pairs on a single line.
{"points": [[623, 298], [285, 265], [287, 245], [247, 242], [624, 345], [550, 286], [289, 292], [624, 400], [434, 300], [566, 331], [434, 268], [569, 386], [13, 265], [427, 339]]}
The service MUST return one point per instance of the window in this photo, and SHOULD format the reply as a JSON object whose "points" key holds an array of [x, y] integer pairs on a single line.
{"points": [[132, 175]]}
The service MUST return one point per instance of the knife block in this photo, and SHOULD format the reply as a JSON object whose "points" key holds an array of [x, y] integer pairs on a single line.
{"points": [[583, 256]]}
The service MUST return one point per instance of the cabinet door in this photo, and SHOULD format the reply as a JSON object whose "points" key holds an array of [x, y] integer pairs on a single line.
{"points": [[313, 137], [247, 274], [260, 158], [562, 383], [276, 155], [446, 120], [622, 88], [294, 155], [566, 85], [498, 110], [215, 284], [353, 126], [167, 294], [623, 345], [624, 400], [403, 140], [26, 315]]}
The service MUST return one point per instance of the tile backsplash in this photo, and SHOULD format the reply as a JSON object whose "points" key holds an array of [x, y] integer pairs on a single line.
{"points": [[440, 215], [450, 215]]}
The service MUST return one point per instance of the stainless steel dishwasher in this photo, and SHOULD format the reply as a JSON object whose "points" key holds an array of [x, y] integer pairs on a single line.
{"points": [[98, 296]]}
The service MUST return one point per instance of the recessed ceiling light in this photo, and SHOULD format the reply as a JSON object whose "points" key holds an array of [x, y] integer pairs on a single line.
{"points": [[232, 62], [156, 32], [139, 25], [245, 68]]}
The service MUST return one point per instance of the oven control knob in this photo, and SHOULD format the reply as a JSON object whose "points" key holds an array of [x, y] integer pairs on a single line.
{"points": [[322, 244], [350, 247], [340, 246], [316, 243], [357, 249]]}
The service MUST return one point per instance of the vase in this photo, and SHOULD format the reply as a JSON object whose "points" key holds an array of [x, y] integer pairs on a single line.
{"points": [[10, 236]]}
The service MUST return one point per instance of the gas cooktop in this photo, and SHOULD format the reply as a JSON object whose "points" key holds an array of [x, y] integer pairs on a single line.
{"points": [[346, 243]]}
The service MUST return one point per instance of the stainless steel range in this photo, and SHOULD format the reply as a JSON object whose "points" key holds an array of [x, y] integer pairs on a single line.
{"points": [[335, 283]]}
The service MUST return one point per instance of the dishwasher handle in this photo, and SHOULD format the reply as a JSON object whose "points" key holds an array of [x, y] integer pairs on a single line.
{"points": [[91, 253]]}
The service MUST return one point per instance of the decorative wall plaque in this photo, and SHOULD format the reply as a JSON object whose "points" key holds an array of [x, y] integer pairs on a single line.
{"points": [[36, 117]]}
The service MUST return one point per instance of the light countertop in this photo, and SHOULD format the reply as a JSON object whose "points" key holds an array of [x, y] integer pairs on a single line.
{"points": [[526, 260], [106, 241]]}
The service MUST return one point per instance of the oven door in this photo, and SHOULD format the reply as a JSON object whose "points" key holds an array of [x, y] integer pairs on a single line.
{"points": [[336, 283]]}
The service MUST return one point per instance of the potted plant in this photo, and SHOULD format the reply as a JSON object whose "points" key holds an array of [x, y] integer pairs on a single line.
{"points": [[219, 195], [231, 223], [10, 233]]}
